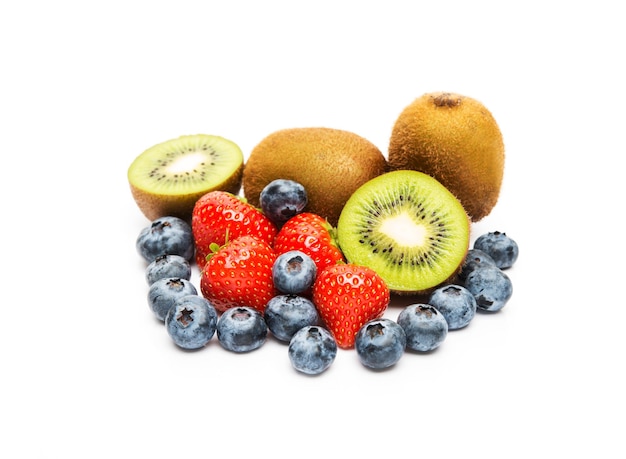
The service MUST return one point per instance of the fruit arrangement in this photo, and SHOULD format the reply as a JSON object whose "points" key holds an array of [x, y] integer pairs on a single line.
{"points": [[324, 234]]}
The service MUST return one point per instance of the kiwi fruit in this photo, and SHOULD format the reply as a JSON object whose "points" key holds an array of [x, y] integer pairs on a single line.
{"points": [[168, 178], [329, 163], [456, 140], [407, 227]]}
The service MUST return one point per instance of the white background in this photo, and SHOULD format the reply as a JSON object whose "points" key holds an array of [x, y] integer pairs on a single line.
{"points": [[88, 372]]}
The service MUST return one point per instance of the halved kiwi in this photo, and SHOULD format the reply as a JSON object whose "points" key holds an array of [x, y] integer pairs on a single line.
{"points": [[167, 179], [407, 227]]}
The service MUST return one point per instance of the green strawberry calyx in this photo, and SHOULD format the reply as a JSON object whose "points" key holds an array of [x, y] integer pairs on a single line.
{"points": [[214, 247]]}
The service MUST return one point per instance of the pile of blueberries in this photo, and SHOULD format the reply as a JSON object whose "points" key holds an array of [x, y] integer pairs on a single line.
{"points": [[191, 320]]}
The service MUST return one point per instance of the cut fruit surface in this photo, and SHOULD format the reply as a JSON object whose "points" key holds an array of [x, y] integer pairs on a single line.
{"points": [[168, 178], [408, 228]]}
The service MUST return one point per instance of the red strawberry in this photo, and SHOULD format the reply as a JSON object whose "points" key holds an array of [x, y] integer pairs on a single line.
{"points": [[347, 296], [218, 216], [311, 234], [239, 274]]}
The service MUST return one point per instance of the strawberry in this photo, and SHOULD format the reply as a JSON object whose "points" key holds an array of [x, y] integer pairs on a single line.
{"points": [[311, 234], [347, 296], [239, 274], [219, 216]]}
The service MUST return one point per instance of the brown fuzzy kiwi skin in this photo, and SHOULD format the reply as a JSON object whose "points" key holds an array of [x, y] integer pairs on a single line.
{"points": [[455, 139], [154, 206], [330, 163]]}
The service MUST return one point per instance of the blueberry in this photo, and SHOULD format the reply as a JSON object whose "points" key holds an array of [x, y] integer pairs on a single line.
{"points": [[380, 343], [286, 314], [456, 303], [163, 294], [474, 259], [241, 329], [293, 272], [166, 235], [168, 266], [282, 199], [500, 247], [491, 288], [424, 326], [191, 322], [312, 350]]}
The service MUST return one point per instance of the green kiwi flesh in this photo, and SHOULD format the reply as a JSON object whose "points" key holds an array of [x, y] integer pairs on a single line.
{"points": [[168, 178], [408, 228]]}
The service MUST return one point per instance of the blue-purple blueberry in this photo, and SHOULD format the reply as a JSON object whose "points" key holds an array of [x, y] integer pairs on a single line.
{"points": [[380, 343], [282, 199], [475, 258], [166, 235], [241, 329], [191, 322], [456, 303], [163, 294], [491, 288], [168, 266], [312, 349], [293, 272], [424, 326], [503, 249], [286, 314]]}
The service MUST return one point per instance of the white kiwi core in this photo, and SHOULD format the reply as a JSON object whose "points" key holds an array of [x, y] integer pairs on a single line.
{"points": [[403, 229], [186, 163]]}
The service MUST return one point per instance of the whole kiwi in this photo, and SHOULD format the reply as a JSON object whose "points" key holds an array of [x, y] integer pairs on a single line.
{"points": [[329, 163], [456, 140]]}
